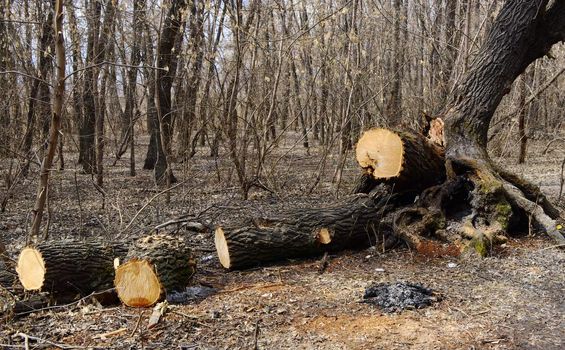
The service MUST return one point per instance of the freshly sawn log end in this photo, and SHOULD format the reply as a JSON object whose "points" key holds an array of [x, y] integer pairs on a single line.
{"points": [[31, 269], [408, 161], [222, 248], [137, 283], [68, 267], [157, 264], [380, 152]]}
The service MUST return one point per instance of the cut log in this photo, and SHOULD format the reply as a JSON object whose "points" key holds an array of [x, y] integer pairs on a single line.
{"points": [[356, 222], [409, 161], [68, 267], [155, 265]]}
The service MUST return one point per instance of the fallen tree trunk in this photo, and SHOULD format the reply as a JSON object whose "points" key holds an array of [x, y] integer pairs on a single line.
{"points": [[406, 160], [356, 222], [68, 267], [155, 265]]}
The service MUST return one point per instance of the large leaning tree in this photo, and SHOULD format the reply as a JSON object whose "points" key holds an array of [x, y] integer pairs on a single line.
{"points": [[438, 191], [523, 32]]}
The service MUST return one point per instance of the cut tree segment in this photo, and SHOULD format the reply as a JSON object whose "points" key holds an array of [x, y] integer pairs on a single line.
{"points": [[355, 222], [68, 267], [137, 283], [156, 264], [31, 269], [380, 151], [409, 161]]}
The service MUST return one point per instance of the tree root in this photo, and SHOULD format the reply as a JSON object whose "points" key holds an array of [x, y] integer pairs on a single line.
{"points": [[536, 211], [474, 211]]}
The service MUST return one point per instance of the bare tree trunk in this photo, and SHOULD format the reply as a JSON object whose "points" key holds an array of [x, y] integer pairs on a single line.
{"points": [[152, 118], [128, 122], [87, 126], [527, 79], [393, 96], [104, 48], [230, 112], [196, 50], [167, 62], [207, 118], [38, 87], [452, 42], [43, 186], [77, 63]]}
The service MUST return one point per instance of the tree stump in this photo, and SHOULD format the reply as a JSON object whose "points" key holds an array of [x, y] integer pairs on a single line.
{"points": [[156, 264], [355, 222], [68, 267], [409, 161]]}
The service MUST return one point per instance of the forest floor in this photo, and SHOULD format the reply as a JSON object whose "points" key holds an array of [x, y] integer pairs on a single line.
{"points": [[511, 300]]}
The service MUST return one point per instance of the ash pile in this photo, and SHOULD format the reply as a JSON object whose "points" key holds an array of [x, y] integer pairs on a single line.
{"points": [[398, 296]]}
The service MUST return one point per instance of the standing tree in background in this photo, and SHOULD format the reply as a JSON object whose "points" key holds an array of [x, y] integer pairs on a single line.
{"points": [[55, 126], [165, 75]]}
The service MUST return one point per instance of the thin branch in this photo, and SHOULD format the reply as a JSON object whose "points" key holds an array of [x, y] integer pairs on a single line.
{"points": [[149, 202]]}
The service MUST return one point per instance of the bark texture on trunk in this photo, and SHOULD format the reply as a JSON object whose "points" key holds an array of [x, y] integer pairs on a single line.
{"points": [[355, 222], [522, 32], [409, 161], [156, 264], [167, 62], [66, 267]]}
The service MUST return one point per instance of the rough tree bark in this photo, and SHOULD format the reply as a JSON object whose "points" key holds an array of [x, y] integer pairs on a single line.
{"points": [[88, 122], [357, 221], [68, 267], [157, 264], [167, 62], [523, 32]]}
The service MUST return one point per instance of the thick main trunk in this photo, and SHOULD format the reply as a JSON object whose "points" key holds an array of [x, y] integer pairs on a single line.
{"points": [[523, 32], [408, 161], [66, 268], [355, 222]]}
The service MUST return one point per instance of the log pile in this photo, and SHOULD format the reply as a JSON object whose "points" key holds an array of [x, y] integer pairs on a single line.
{"points": [[68, 267], [153, 266], [396, 166]]}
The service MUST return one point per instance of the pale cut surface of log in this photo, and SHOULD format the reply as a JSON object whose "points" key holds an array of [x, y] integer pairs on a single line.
{"points": [[407, 160], [68, 266], [31, 269], [380, 151], [137, 284], [355, 222], [157, 264]]}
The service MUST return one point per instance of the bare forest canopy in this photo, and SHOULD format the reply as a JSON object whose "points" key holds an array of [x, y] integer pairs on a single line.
{"points": [[236, 77]]}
